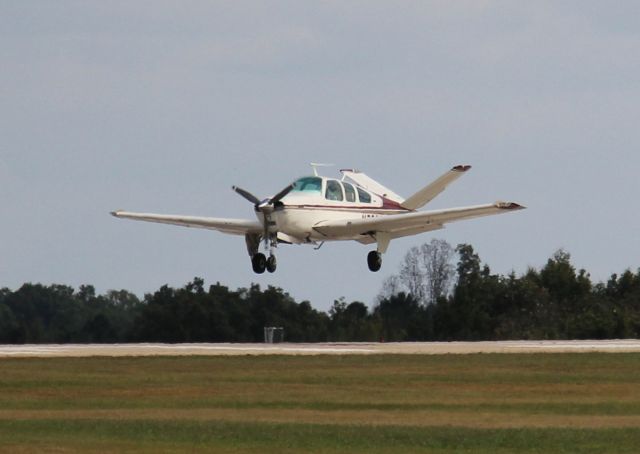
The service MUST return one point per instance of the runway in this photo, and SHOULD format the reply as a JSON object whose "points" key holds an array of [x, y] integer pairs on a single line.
{"points": [[409, 348]]}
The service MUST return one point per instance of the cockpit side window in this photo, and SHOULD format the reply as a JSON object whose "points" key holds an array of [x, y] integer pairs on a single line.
{"points": [[349, 192], [365, 197], [334, 190], [308, 184]]}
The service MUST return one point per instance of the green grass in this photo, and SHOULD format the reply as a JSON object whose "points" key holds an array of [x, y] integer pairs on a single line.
{"points": [[586, 402], [155, 436]]}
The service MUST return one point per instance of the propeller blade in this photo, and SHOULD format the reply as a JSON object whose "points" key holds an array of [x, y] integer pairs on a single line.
{"points": [[247, 195], [276, 198]]}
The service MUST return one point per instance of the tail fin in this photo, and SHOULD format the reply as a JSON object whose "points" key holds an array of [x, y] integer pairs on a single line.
{"points": [[429, 192]]}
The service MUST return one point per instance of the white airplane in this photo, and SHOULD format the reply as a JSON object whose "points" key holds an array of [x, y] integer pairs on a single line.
{"points": [[315, 209]]}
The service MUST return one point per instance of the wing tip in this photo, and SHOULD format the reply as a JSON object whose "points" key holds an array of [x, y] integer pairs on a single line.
{"points": [[461, 168], [510, 206]]}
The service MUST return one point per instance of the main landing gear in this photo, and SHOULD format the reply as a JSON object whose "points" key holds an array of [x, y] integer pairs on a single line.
{"points": [[260, 263], [374, 260]]}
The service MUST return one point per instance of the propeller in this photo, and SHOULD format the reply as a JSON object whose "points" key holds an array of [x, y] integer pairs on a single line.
{"points": [[247, 195], [280, 195], [262, 204], [265, 206]]}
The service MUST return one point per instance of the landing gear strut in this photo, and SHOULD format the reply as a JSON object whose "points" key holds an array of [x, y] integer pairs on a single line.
{"points": [[374, 260]]}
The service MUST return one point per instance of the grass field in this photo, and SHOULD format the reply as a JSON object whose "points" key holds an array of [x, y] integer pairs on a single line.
{"points": [[588, 402]]}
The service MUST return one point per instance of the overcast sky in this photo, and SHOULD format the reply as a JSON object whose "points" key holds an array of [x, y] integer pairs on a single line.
{"points": [[163, 106]]}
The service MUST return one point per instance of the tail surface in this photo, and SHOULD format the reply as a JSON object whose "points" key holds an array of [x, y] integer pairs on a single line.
{"points": [[432, 190]]}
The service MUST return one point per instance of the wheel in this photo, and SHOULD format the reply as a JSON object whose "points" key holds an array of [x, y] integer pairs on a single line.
{"points": [[259, 263], [374, 260], [272, 263]]}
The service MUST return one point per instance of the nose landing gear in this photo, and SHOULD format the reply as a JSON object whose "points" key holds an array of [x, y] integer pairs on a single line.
{"points": [[272, 263], [260, 263]]}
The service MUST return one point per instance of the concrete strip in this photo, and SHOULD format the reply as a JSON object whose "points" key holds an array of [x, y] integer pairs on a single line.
{"points": [[415, 348]]}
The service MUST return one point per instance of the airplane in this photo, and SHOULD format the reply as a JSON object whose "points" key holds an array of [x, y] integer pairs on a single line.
{"points": [[314, 209]]}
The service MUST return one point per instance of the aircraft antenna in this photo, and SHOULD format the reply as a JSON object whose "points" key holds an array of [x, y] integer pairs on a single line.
{"points": [[315, 166]]}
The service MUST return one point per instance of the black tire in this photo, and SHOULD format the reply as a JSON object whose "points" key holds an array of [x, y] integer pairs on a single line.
{"points": [[374, 260], [272, 264], [259, 263]]}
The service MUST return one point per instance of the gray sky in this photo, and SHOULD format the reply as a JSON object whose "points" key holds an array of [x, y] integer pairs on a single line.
{"points": [[163, 106]]}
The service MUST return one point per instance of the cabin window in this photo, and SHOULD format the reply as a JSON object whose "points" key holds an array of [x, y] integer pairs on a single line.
{"points": [[334, 191], [365, 197], [308, 184], [349, 192]]}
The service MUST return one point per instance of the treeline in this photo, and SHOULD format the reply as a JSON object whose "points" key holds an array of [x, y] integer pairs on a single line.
{"points": [[57, 314], [430, 299], [555, 302]]}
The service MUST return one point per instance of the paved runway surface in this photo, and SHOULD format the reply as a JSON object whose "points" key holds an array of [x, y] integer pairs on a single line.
{"points": [[415, 348]]}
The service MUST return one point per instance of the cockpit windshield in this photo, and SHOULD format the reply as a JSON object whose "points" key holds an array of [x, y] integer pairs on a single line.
{"points": [[308, 184]]}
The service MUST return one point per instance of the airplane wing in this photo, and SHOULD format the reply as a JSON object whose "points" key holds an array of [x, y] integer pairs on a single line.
{"points": [[398, 225], [231, 226]]}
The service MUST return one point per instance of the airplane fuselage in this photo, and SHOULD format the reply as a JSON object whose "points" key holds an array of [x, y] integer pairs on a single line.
{"points": [[328, 200]]}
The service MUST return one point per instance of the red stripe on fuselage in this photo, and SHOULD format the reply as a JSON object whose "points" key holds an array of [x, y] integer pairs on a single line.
{"points": [[383, 209]]}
